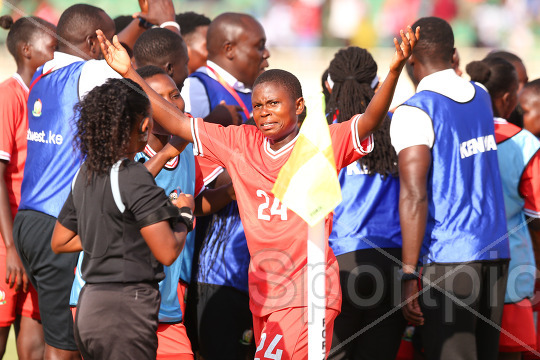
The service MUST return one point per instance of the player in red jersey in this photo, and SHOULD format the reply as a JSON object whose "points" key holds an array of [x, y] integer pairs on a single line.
{"points": [[254, 156], [31, 41]]}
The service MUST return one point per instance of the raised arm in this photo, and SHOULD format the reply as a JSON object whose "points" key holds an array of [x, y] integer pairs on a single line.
{"points": [[379, 105], [155, 12], [166, 114]]}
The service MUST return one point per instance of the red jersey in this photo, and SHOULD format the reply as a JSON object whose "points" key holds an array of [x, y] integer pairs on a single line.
{"points": [[13, 128], [529, 184], [276, 236]]}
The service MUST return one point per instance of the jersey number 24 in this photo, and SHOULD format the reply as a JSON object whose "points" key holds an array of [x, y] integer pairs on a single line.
{"points": [[277, 207]]}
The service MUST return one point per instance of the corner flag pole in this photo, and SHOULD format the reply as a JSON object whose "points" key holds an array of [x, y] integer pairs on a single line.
{"points": [[308, 185], [316, 265]]}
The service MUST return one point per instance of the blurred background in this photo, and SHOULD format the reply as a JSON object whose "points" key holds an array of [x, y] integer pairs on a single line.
{"points": [[303, 35]]}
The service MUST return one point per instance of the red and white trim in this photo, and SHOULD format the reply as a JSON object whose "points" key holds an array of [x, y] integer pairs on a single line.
{"points": [[171, 164], [365, 145], [274, 154], [213, 175], [531, 213], [500, 121], [197, 148], [19, 79], [5, 156]]}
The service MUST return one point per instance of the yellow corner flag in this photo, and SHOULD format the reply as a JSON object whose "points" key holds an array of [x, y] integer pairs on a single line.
{"points": [[308, 183]]}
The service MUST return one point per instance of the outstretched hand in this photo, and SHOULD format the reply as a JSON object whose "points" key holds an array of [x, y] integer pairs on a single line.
{"points": [[404, 50], [115, 54]]}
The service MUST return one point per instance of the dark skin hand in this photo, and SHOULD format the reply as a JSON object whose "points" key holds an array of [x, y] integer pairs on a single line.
{"points": [[210, 200], [15, 274], [175, 122], [174, 147], [414, 164], [155, 11], [225, 115]]}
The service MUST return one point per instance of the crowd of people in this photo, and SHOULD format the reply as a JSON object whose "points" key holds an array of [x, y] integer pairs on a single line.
{"points": [[138, 157]]}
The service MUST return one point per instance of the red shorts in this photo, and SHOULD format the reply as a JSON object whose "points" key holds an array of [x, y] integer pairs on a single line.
{"points": [[182, 297], [173, 342], [286, 331], [15, 303], [518, 321]]}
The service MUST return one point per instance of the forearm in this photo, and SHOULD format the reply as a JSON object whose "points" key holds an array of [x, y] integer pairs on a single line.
{"points": [[67, 245], [158, 161], [64, 240], [213, 200], [379, 105], [131, 33], [73, 245], [166, 114], [6, 221], [413, 210]]}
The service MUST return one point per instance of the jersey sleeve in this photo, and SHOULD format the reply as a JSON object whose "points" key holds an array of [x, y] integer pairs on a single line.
{"points": [[143, 198], [529, 187], [10, 112], [348, 147], [215, 142], [199, 180], [68, 214]]}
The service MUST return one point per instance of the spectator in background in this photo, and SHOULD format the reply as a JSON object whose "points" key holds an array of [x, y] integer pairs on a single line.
{"points": [[194, 28]]}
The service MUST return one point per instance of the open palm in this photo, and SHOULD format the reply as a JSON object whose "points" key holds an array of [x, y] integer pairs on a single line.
{"points": [[114, 53], [404, 50]]}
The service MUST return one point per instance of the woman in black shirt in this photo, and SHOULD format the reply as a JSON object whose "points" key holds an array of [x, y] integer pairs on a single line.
{"points": [[123, 222]]}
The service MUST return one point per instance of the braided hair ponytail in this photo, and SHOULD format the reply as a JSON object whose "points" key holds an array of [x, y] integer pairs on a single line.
{"points": [[352, 72]]}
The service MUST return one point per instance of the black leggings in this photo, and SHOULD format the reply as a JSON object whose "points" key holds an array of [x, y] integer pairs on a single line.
{"points": [[371, 324]]}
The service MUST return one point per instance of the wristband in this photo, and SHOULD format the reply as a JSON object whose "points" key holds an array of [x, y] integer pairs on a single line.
{"points": [[407, 276], [170, 23], [186, 217], [144, 23]]}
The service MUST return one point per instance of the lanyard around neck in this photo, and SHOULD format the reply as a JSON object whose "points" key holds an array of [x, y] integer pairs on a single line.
{"points": [[231, 91]]}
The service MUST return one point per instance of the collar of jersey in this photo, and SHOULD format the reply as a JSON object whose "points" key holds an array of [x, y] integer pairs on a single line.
{"points": [[171, 164], [274, 154], [19, 79], [228, 77]]}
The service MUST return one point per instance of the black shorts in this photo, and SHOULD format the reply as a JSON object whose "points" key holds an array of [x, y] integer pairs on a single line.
{"points": [[118, 321], [463, 309], [224, 323], [371, 323], [51, 275]]}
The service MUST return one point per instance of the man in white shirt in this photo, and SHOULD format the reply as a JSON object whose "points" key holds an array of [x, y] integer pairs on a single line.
{"points": [[450, 200]]}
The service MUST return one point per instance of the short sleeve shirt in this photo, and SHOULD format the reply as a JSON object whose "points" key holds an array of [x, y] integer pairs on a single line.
{"points": [[13, 128], [276, 236], [109, 223]]}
